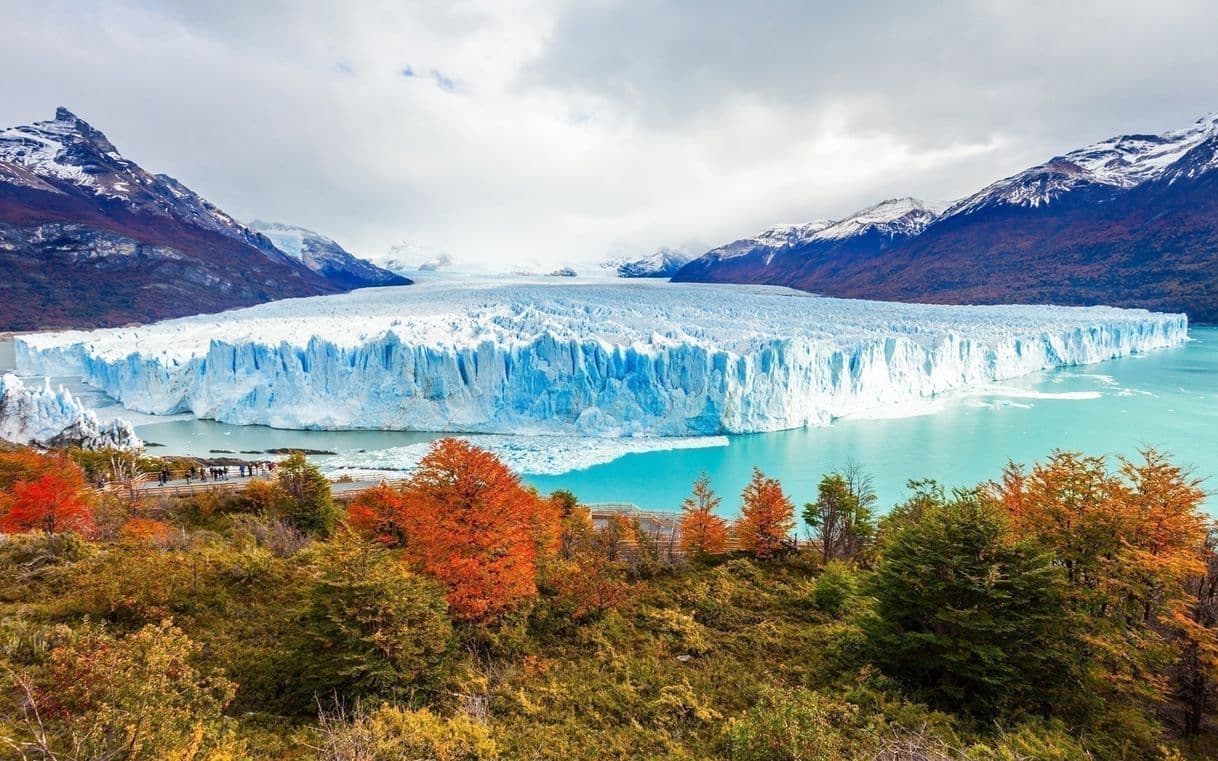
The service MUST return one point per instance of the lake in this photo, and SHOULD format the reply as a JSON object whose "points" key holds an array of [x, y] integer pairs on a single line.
{"points": [[1167, 399]]}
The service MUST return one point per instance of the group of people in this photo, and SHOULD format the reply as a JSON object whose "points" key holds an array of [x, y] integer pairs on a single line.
{"points": [[222, 472]]}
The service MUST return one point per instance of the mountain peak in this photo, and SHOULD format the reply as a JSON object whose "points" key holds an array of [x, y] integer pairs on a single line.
{"points": [[905, 216], [324, 256], [62, 114], [663, 262], [1120, 162]]}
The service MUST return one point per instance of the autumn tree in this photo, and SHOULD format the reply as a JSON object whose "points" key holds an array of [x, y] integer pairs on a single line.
{"points": [[547, 528], [565, 500], [309, 506], [1128, 541], [58, 500], [767, 517], [582, 581], [25, 465], [472, 525], [1196, 672], [841, 519], [702, 532], [150, 530], [264, 498], [379, 513]]}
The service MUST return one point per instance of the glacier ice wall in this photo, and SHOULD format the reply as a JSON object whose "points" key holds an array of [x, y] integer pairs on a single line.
{"points": [[600, 359], [48, 418]]}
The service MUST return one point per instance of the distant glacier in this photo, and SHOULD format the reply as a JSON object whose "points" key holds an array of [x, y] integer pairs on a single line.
{"points": [[600, 359]]}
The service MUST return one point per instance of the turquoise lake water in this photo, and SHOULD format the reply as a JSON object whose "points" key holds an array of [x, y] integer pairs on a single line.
{"points": [[1166, 399]]}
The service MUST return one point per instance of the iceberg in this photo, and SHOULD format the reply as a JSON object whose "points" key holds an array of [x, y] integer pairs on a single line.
{"points": [[47, 418], [624, 358]]}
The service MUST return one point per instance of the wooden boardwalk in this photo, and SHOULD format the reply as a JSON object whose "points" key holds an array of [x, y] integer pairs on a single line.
{"points": [[149, 485]]}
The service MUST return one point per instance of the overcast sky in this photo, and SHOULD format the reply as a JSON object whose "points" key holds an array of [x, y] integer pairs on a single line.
{"points": [[537, 132]]}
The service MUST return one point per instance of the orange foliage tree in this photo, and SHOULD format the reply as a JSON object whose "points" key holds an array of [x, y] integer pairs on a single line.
{"points": [[471, 524], [379, 513], [1128, 542], [147, 530], [581, 577], [56, 500], [702, 532], [26, 465], [1196, 672], [767, 516]]}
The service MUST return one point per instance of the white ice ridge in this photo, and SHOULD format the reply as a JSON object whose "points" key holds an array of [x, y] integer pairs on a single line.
{"points": [[606, 359], [532, 455], [47, 418]]}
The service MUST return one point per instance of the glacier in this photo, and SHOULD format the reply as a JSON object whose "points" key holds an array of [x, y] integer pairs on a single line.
{"points": [[49, 418], [626, 358]]}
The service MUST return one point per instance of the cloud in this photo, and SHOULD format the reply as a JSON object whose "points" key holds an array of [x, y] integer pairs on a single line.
{"points": [[443, 82], [582, 128]]}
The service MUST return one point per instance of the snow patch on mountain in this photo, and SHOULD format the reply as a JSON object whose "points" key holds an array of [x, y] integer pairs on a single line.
{"points": [[324, 256], [768, 242], [663, 263], [42, 149], [895, 217], [1119, 162], [48, 418], [618, 358]]}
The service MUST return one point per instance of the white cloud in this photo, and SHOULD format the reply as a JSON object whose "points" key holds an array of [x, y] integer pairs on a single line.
{"points": [[545, 132]]}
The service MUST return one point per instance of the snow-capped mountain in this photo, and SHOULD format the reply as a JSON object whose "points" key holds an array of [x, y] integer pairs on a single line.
{"points": [[665, 262], [88, 237], [779, 254], [894, 218], [405, 257], [324, 256], [1118, 163], [1130, 221], [66, 155], [768, 242]]}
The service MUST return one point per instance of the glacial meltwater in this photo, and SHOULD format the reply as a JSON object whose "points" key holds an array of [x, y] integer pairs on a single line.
{"points": [[1167, 399]]}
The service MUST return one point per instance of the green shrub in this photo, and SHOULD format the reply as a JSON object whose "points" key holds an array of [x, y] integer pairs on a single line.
{"points": [[142, 697], [374, 628], [835, 588], [970, 619], [795, 725], [393, 733], [309, 505]]}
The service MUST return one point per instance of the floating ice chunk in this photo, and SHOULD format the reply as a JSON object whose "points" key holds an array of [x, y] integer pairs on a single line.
{"points": [[534, 455]]}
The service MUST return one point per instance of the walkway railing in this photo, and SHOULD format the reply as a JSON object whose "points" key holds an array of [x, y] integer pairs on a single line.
{"points": [[663, 528]]}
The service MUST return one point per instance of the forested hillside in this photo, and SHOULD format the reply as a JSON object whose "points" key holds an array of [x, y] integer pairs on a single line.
{"points": [[1066, 610]]}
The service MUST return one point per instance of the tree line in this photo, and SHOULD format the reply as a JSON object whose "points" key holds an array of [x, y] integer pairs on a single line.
{"points": [[1064, 610]]}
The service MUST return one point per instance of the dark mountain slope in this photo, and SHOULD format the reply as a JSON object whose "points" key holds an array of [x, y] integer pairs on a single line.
{"points": [[1129, 221], [88, 238]]}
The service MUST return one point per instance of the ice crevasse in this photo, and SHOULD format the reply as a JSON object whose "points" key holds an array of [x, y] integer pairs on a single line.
{"points": [[586, 359]]}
